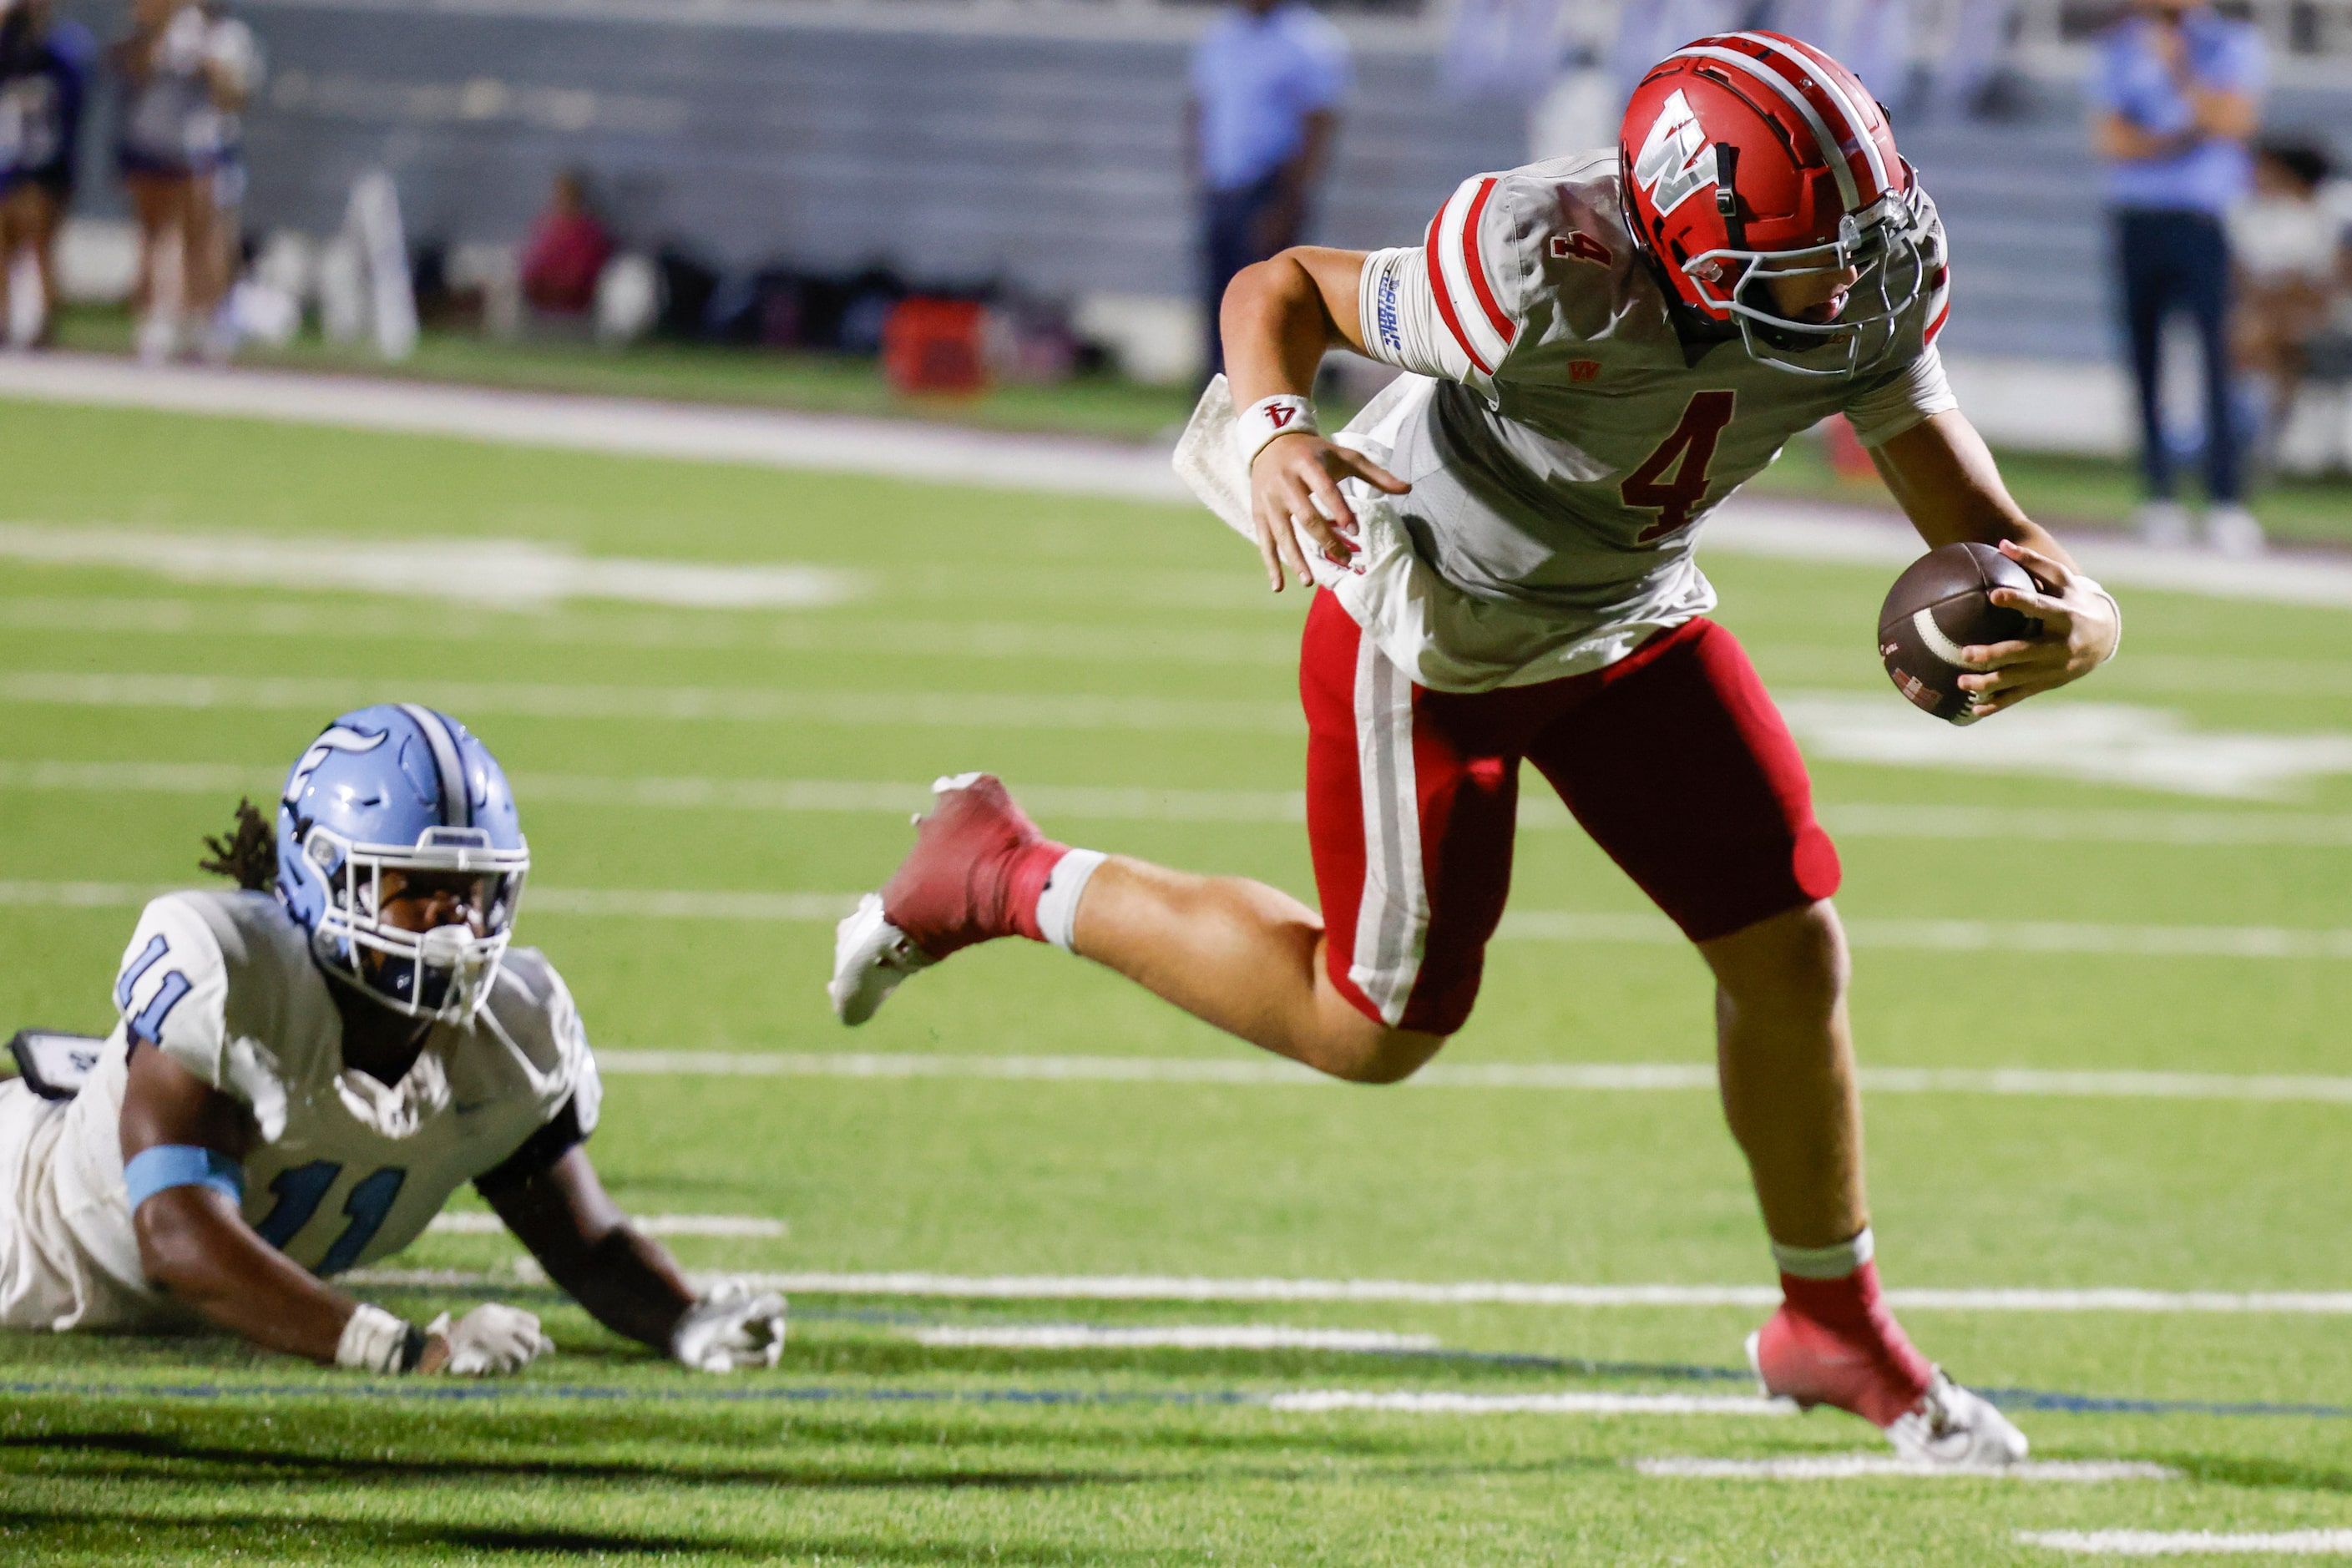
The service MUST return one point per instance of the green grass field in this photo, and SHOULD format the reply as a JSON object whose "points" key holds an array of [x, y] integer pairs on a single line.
{"points": [[982, 629]]}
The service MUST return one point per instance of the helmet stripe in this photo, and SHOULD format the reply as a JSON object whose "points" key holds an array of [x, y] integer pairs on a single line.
{"points": [[1840, 167], [1837, 95], [456, 800]]}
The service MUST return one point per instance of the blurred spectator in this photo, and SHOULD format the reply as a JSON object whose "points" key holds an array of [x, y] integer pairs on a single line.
{"points": [[2173, 107], [232, 76], [2288, 243], [44, 75], [183, 72], [1268, 78], [566, 252]]}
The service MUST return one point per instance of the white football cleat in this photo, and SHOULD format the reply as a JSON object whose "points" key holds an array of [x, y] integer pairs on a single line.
{"points": [[870, 958], [1951, 1426]]}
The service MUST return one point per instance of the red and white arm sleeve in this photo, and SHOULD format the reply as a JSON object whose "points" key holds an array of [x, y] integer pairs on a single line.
{"points": [[1443, 307]]}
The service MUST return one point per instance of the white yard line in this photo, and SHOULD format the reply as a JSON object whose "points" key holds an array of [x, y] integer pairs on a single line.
{"points": [[1752, 525], [2031, 936], [2192, 1543], [1173, 1336], [1145, 803], [1316, 1402], [1572, 1077], [1179, 1288], [758, 705], [466, 1221], [1866, 1467], [1465, 1293]]}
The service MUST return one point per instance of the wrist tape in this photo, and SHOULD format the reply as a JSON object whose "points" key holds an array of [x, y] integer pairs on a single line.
{"points": [[2093, 585], [375, 1341], [1284, 413]]}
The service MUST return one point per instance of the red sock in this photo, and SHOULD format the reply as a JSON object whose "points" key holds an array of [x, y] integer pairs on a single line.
{"points": [[1852, 1308], [1024, 881]]}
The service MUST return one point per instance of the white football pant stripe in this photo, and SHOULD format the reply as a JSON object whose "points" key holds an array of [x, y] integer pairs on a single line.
{"points": [[1393, 920]]}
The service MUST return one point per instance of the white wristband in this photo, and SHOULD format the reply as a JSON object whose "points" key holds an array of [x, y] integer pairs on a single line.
{"points": [[1284, 413], [374, 1340], [2093, 585]]}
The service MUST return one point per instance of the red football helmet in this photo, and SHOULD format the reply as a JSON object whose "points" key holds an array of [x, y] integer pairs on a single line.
{"points": [[1800, 176]]}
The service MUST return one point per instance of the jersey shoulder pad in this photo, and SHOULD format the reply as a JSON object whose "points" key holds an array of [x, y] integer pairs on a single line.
{"points": [[171, 986], [539, 1045], [1508, 247]]}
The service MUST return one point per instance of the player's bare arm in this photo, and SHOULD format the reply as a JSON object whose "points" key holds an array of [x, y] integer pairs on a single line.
{"points": [[194, 1244], [628, 1281], [1279, 318], [1947, 482]]}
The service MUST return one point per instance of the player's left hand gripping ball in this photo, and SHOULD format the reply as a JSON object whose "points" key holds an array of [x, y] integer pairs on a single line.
{"points": [[733, 1327]]}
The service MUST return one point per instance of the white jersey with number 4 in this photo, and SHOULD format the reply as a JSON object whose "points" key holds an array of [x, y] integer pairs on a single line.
{"points": [[341, 1170], [1562, 440]]}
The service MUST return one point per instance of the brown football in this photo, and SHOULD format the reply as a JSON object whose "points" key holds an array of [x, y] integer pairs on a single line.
{"points": [[1940, 605]]}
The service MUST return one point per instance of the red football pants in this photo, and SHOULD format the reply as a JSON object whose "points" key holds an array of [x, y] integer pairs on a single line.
{"points": [[1673, 758]]}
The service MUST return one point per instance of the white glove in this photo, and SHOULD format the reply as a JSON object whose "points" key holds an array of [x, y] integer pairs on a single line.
{"points": [[731, 1328], [491, 1341]]}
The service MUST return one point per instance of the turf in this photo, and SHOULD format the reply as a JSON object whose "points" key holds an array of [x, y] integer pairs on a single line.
{"points": [[867, 1446]]}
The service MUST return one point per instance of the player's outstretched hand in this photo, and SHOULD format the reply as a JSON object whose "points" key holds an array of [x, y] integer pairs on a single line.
{"points": [[731, 1328], [491, 1341], [2080, 629], [1295, 479]]}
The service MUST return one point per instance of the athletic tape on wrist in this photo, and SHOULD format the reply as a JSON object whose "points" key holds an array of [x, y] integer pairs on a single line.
{"points": [[1832, 1262], [375, 1340], [1284, 413], [1058, 906]]}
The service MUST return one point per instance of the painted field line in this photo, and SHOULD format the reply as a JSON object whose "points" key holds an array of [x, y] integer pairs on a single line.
{"points": [[936, 637], [1865, 1466], [1748, 525], [1569, 1076], [463, 1222], [1175, 1336], [508, 573], [1187, 1288], [2035, 937], [2192, 1543], [612, 425], [1152, 804], [755, 705], [1316, 1402]]}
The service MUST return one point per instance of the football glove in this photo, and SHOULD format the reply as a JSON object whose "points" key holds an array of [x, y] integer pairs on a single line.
{"points": [[491, 1341], [733, 1327]]}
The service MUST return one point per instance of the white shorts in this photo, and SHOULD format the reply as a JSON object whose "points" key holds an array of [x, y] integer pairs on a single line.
{"points": [[45, 1281]]}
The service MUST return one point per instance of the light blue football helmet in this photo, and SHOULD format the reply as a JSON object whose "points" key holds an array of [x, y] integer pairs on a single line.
{"points": [[398, 788]]}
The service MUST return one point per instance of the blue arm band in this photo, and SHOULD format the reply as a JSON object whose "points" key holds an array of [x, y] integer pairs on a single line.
{"points": [[151, 1171]]}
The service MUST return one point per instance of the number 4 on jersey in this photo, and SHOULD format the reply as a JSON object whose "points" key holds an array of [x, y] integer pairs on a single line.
{"points": [[1687, 451]]}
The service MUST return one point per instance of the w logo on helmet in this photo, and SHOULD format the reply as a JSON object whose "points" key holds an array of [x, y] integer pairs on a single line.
{"points": [[338, 738], [1672, 165]]}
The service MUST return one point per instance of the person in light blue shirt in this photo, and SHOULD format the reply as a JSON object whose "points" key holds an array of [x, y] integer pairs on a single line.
{"points": [[2173, 105], [1267, 80]]}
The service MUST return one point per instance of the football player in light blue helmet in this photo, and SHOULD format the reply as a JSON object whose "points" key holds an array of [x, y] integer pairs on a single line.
{"points": [[308, 1067], [396, 804]]}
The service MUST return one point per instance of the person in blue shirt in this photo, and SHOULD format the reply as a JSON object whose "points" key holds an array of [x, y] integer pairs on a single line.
{"points": [[1268, 78], [44, 72], [2173, 105]]}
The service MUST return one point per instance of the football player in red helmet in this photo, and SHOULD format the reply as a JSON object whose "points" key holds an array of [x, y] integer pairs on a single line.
{"points": [[1600, 350]]}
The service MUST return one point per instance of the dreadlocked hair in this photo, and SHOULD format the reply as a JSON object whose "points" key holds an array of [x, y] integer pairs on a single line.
{"points": [[247, 854]]}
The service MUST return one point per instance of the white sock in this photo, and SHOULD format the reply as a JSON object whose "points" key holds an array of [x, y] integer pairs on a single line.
{"points": [[1832, 1262], [1066, 884]]}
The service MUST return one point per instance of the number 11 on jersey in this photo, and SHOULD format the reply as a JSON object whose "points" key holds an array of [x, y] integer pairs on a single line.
{"points": [[1688, 450]]}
